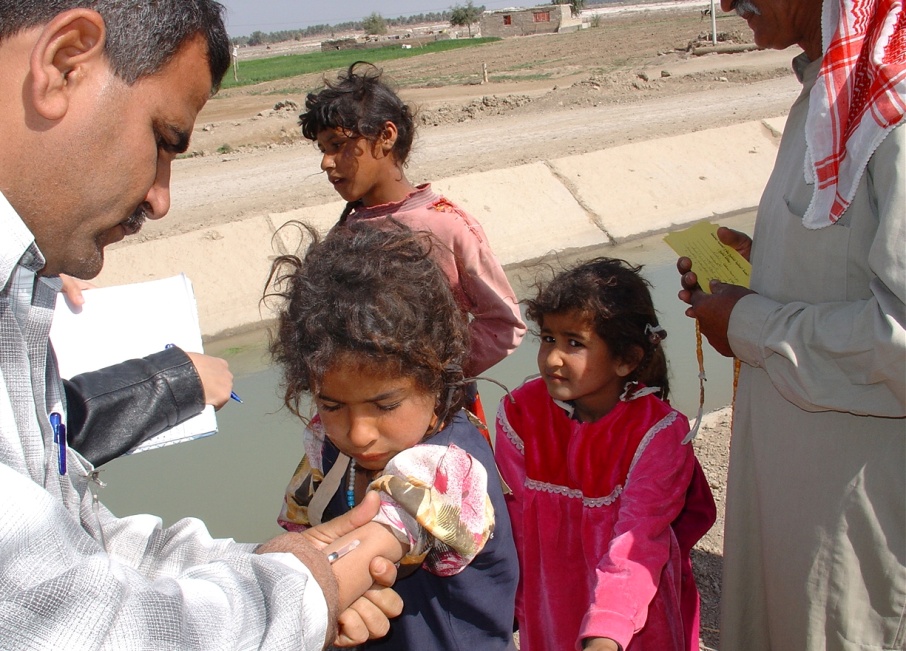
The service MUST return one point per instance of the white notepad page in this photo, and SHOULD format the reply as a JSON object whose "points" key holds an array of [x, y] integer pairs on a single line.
{"points": [[127, 322]]}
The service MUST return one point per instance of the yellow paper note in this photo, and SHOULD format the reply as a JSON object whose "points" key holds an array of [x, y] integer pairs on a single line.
{"points": [[711, 260]]}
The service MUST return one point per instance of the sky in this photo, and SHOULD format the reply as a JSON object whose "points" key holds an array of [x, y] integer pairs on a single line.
{"points": [[247, 16]]}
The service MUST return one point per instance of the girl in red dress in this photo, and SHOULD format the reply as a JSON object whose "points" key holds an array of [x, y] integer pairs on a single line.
{"points": [[607, 496]]}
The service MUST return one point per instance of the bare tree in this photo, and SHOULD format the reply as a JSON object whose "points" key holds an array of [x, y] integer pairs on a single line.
{"points": [[374, 24], [465, 15]]}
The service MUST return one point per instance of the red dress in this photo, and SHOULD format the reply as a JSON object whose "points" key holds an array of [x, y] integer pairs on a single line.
{"points": [[604, 515]]}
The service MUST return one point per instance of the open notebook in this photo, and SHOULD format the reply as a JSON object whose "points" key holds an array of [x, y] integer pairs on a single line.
{"points": [[126, 322]]}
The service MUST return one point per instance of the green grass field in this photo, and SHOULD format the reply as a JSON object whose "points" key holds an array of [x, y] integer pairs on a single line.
{"points": [[256, 71]]}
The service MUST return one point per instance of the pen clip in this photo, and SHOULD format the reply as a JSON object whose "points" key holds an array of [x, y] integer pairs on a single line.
{"points": [[59, 437]]}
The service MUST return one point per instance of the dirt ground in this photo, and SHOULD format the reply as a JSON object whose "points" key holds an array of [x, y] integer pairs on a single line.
{"points": [[633, 77]]}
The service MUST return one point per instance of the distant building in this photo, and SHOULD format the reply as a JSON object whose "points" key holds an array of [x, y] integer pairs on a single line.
{"points": [[544, 19]]}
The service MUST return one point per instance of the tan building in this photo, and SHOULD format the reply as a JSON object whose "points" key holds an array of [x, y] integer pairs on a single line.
{"points": [[544, 19]]}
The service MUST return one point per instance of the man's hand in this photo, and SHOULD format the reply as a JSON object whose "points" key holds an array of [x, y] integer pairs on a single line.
{"points": [[332, 530], [736, 240], [367, 616], [216, 378], [713, 310], [72, 290]]}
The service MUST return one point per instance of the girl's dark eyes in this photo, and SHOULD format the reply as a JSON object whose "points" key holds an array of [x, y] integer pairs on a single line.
{"points": [[330, 147], [331, 407], [547, 339], [575, 344]]}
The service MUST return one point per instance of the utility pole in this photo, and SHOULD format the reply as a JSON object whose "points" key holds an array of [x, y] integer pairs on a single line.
{"points": [[713, 23]]}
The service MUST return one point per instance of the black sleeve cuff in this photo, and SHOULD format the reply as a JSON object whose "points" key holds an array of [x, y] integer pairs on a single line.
{"points": [[112, 410]]}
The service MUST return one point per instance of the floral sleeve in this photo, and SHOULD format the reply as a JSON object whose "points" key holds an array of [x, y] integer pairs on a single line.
{"points": [[435, 498], [305, 480]]}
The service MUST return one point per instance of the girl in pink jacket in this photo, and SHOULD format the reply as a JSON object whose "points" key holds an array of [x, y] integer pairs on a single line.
{"points": [[607, 495], [365, 132]]}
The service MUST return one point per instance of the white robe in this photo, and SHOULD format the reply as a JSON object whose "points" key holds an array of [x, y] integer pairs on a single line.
{"points": [[815, 544]]}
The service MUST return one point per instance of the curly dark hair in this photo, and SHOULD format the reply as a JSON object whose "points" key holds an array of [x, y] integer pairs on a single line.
{"points": [[360, 103], [616, 300], [376, 297]]}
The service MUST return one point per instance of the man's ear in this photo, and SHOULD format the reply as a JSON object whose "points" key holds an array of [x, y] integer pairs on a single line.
{"points": [[68, 45]]}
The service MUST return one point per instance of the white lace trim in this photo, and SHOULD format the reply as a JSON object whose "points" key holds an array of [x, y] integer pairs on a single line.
{"points": [[607, 500], [629, 393], [565, 406], [659, 426], [574, 493], [504, 424]]}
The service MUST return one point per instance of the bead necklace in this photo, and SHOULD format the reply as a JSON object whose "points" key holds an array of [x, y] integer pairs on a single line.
{"points": [[350, 485]]}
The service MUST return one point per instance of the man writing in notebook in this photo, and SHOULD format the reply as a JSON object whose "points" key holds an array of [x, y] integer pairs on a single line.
{"points": [[97, 97]]}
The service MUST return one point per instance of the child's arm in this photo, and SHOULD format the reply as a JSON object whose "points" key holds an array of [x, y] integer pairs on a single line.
{"points": [[356, 583], [631, 570], [496, 327], [436, 497], [351, 569]]}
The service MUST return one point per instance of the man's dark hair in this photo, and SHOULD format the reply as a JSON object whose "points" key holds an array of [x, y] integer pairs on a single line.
{"points": [[142, 36]]}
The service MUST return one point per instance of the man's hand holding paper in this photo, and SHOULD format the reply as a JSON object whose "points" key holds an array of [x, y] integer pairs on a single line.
{"points": [[721, 277], [715, 253]]}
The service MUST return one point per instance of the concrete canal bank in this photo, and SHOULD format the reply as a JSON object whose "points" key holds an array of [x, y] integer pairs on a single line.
{"points": [[603, 197]]}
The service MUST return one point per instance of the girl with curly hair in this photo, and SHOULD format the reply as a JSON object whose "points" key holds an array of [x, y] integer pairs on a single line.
{"points": [[371, 331]]}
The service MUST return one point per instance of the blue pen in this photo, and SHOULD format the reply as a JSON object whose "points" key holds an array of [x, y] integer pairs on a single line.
{"points": [[59, 437], [233, 394]]}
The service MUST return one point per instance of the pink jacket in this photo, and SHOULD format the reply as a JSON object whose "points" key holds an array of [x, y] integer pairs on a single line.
{"points": [[475, 274]]}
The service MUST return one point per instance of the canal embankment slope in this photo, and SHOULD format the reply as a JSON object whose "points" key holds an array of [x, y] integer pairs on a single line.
{"points": [[528, 211]]}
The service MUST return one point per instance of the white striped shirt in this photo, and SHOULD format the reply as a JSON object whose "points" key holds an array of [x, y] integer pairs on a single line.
{"points": [[150, 587]]}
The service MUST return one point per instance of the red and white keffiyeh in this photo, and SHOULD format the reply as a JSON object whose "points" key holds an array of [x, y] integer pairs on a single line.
{"points": [[859, 97]]}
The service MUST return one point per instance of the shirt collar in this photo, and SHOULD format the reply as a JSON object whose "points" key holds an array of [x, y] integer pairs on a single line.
{"points": [[17, 246]]}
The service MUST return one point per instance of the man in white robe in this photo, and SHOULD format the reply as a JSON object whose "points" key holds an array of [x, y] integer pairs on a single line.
{"points": [[815, 540]]}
